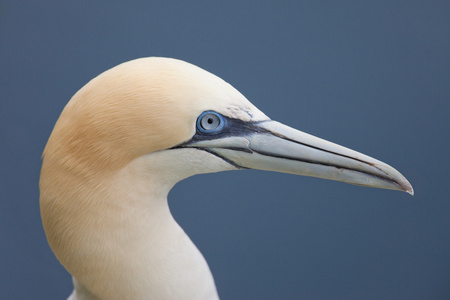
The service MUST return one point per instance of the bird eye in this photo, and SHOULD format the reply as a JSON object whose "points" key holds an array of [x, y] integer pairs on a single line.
{"points": [[210, 121]]}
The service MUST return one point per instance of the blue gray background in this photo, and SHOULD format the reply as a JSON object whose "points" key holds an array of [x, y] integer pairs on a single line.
{"points": [[370, 75]]}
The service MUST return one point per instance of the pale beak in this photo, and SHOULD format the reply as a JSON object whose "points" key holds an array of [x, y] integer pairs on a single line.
{"points": [[272, 146]]}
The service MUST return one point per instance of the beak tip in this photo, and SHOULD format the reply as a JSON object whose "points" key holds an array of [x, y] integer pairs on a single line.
{"points": [[409, 189]]}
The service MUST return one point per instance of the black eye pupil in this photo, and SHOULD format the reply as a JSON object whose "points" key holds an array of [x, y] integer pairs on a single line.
{"points": [[210, 121]]}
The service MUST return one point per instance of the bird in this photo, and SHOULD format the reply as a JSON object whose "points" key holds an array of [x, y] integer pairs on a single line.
{"points": [[126, 138]]}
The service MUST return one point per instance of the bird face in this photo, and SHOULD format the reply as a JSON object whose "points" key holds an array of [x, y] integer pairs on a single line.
{"points": [[224, 124], [272, 146], [154, 105]]}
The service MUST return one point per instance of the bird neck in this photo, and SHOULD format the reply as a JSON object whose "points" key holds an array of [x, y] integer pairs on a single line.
{"points": [[125, 244]]}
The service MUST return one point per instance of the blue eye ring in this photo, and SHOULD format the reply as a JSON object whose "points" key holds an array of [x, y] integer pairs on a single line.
{"points": [[210, 122]]}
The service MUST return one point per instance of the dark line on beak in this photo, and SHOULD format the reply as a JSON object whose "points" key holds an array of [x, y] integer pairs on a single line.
{"points": [[388, 178], [224, 158], [317, 148]]}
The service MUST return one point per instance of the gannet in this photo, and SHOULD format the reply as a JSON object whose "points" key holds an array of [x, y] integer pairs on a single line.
{"points": [[126, 138]]}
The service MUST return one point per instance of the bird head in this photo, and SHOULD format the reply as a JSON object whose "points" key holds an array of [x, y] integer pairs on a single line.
{"points": [[154, 105]]}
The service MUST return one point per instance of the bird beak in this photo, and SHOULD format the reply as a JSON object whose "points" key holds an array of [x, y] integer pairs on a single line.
{"points": [[272, 146]]}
